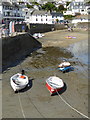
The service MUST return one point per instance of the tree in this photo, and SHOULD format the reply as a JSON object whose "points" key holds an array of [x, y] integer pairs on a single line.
{"points": [[49, 7], [60, 7], [69, 17], [35, 3], [57, 20], [29, 6], [67, 3], [88, 3]]}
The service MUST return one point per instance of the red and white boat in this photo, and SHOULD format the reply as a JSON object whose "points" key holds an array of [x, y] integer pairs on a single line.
{"points": [[54, 84]]}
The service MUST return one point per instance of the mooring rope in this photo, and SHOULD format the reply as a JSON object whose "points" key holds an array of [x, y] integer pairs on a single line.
{"points": [[21, 107], [71, 106], [35, 106]]}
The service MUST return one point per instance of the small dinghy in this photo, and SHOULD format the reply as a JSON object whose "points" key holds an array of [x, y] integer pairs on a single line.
{"points": [[54, 84], [64, 66], [18, 81]]}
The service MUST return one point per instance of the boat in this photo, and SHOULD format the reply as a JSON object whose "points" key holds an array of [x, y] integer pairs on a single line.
{"points": [[64, 69], [35, 35], [18, 81], [70, 37], [54, 84], [64, 66], [38, 35]]}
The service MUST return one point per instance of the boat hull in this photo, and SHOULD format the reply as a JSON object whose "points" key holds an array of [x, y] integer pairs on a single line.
{"points": [[54, 84], [17, 87], [52, 90], [64, 68]]}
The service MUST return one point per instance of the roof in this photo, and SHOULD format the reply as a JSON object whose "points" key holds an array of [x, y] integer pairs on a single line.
{"points": [[7, 4], [40, 12], [56, 14], [83, 16]]}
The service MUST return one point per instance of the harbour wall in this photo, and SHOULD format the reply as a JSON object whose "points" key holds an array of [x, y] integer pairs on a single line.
{"points": [[17, 48], [38, 28], [83, 25]]}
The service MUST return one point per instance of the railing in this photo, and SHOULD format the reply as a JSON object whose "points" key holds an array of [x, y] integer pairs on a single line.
{"points": [[14, 17]]}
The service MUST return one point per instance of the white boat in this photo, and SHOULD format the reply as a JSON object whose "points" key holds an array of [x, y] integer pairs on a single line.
{"points": [[38, 35], [64, 64], [35, 35], [54, 84], [18, 81]]}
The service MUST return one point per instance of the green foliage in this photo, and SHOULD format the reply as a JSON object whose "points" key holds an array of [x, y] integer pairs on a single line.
{"points": [[29, 6], [49, 7], [57, 20], [69, 17], [67, 3], [35, 3], [20, 2], [88, 2], [61, 9]]}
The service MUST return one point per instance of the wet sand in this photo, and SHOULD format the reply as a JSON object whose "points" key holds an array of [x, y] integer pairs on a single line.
{"points": [[35, 101]]}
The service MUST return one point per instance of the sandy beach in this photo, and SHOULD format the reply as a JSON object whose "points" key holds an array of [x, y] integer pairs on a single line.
{"points": [[35, 101]]}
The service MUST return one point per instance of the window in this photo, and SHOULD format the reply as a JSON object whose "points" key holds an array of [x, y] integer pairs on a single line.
{"points": [[36, 19], [27, 17], [82, 10], [4, 13], [41, 19], [46, 19]]}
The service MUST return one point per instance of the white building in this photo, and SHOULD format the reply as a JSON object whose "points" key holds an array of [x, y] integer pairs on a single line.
{"points": [[69, 12], [57, 17], [40, 17], [77, 8], [11, 12], [10, 1]]}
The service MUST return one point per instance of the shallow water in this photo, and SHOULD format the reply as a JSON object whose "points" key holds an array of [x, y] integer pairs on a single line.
{"points": [[80, 51]]}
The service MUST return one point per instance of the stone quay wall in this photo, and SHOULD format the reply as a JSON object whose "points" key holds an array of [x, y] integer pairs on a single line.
{"points": [[16, 48]]}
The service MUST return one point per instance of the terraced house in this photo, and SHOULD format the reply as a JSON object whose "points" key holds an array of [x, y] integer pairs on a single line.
{"points": [[78, 7], [11, 12], [39, 16], [43, 17]]}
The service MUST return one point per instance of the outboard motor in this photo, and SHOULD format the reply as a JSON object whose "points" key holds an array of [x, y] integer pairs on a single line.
{"points": [[23, 72]]}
